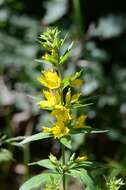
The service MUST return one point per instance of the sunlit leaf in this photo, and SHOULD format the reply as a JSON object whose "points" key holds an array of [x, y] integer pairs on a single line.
{"points": [[35, 137], [65, 82], [44, 163], [88, 130], [14, 139], [85, 179], [65, 56], [66, 141], [84, 165], [37, 181]]}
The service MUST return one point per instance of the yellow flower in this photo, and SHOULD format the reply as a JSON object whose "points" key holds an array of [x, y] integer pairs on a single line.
{"points": [[59, 130], [50, 79], [80, 122], [52, 99], [81, 158], [46, 130], [61, 113]]}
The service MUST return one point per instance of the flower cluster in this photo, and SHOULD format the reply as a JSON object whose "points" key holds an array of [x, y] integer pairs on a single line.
{"points": [[115, 184], [55, 99], [54, 185]]}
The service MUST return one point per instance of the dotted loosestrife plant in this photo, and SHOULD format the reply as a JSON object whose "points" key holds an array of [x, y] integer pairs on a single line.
{"points": [[59, 99]]}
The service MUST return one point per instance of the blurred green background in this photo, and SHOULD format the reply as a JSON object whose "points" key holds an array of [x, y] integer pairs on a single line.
{"points": [[98, 29]]}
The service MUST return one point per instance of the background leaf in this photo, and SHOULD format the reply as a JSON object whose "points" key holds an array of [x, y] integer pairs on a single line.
{"points": [[5, 155], [55, 9]]}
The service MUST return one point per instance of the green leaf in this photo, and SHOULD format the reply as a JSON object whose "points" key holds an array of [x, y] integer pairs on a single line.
{"points": [[68, 79], [65, 56], [37, 181], [83, 176], [35, 137], [88, 130], [44, 163], [84, 165], [42, 61], [66, 141], [53, 158], [5, 155], [81, 105], [14, 139], [65, 82], [98, 131], [76, 75]]}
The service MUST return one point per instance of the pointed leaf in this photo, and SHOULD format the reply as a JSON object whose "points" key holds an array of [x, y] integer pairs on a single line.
{"points": [[66, 141], [42, 61], [65, 82], [65, 56], [44, 163], [84, 165], [37, 181], [88, 130], [81, 105], [83, 176], [35, 137], [98, 131], [14, 139]]}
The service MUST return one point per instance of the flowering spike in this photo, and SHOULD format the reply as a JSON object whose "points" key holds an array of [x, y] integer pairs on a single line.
{"points": [[60, 99]]}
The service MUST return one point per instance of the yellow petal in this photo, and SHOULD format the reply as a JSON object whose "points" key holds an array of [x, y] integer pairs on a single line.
{"points": [[43, 104], [58, 98], [59, 130], [46, 129], [62, 114], [50, 79], [52, 99], [80, 122], [81, 158]]}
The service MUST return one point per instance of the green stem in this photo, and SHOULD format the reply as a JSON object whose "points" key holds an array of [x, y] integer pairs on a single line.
{"points": [[62, 146], [63, 161]]}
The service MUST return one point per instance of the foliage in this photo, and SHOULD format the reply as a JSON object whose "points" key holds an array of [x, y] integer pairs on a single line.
{"points": [[99, 49]]}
